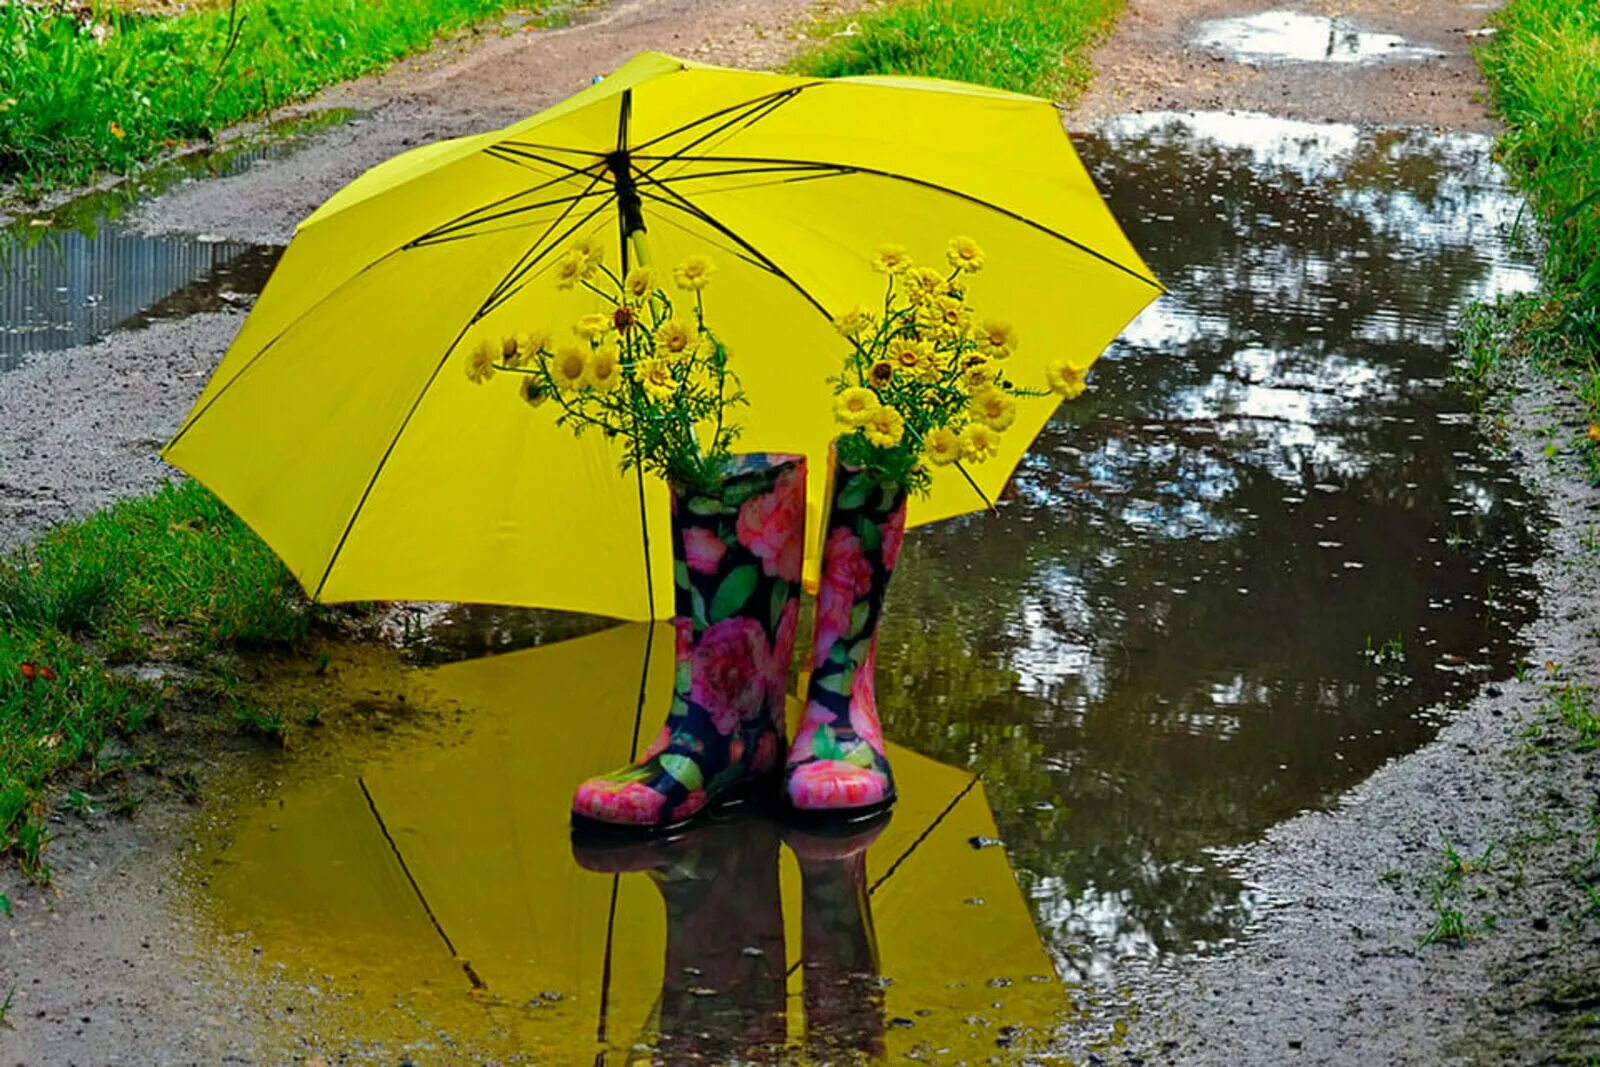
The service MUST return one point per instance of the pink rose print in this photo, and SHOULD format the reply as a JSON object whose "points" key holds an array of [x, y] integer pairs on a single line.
{"points": [[702, 549], [894, 535], [864, 702], [848, 576], [766, 756], [730, 665], [817, 717], [690, 804], [633, 803], [826, 784], [782, 653], [685, 629], [772, 526]]}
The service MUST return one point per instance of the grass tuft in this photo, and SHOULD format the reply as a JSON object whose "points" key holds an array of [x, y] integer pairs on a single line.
{"points": [[92, 88], [1037, 48]]}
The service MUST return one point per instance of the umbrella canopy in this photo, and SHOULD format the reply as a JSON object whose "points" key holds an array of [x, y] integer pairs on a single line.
{"points": [[340, 426], [441, 875]]}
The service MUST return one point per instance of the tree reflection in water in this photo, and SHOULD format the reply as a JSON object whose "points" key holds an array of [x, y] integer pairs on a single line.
{"points": [[1155, 649]]}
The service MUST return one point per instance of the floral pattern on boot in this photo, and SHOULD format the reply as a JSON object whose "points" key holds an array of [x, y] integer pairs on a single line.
{"points": [[836, 765], [737, 558]]}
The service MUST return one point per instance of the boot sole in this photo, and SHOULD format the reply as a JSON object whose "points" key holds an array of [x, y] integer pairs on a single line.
{"points": [[752, 791], [842, 821]]}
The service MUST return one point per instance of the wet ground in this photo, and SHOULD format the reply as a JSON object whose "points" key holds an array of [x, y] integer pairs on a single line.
{"points": [[1271, 553]]}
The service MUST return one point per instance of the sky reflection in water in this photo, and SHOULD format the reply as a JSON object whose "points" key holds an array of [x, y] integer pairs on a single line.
{"points": [[1155, 649]]}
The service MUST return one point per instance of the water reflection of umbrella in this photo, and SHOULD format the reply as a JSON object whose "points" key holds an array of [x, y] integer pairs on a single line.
{"points": [[445, 868], [339, 424]]}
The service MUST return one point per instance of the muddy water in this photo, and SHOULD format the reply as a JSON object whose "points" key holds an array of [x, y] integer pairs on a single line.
{"points": [[1159, 646], [1265, 554], [1293, 36], [70, 276]]}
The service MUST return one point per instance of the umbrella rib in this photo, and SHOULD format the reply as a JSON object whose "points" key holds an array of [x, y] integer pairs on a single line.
{"points": [[761, 109], [476, 215], [752, 104], [513, 281], [849, 168], [462, 232], [497, 295], [934, 825], [405, 869], [688, 208]]}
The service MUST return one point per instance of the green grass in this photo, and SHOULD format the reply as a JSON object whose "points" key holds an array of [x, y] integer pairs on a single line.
{"points": [[171, 576], [1543, 67], [1038, 48], [104, 91]]}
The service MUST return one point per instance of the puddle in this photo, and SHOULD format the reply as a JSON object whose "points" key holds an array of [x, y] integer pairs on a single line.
{"points": [[1157, 649], [1279, 36], [72, 275], [1265, 555], [431, 897]]}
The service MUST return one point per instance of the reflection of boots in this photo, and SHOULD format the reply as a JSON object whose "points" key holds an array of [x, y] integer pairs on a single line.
{"points": [[843, 997], [738, 552], [722, 990], [836, 767]]}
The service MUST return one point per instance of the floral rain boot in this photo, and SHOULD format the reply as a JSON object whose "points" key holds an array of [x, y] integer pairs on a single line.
{"points": [[836, 768], [738, 552]]}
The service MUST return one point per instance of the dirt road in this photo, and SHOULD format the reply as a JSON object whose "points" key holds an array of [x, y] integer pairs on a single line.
{"points": [[1333, 971]]}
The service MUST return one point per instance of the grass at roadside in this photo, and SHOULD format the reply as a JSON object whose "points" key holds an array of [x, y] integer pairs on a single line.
{"points": [[86, 93], [173, 577], [1543, 67], [1038, 48]]}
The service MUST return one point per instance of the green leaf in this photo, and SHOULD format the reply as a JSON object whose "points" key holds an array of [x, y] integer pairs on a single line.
{"points": [[867, 530], [780, 600], [685, 770], [680, 574], [861, 756], [858, 618], [5, 905], [835, 682], [854, 493], [705, 505], [733, 592], [698, 603], [826, 744]]}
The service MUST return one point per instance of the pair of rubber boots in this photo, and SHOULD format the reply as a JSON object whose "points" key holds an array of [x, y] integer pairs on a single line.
{"points": [[738, 554]]}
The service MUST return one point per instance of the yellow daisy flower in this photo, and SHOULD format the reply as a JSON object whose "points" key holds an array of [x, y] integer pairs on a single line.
{"points": [[1065, 380], [978, 442], [994, 408], [592, 252], [855, 406], [594, 326], [890, 259], [529, 345], [677, 339], [925, 283], [694, 273], [964, 255], [569, 368], [995, 339], [481, 359], [942, 446], [573, 268], [639, 283], [533, 393], [884, 428], [914, 358], [978, 376], [655, 376], [855, 322], [605, 369]]}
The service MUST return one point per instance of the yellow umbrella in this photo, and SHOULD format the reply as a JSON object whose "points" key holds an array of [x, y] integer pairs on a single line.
{"points": [[339, 424], [440, 877]]}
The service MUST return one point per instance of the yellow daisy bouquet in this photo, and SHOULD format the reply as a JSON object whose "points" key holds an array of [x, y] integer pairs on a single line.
{"points": [[925, 380], [642, 367]]}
